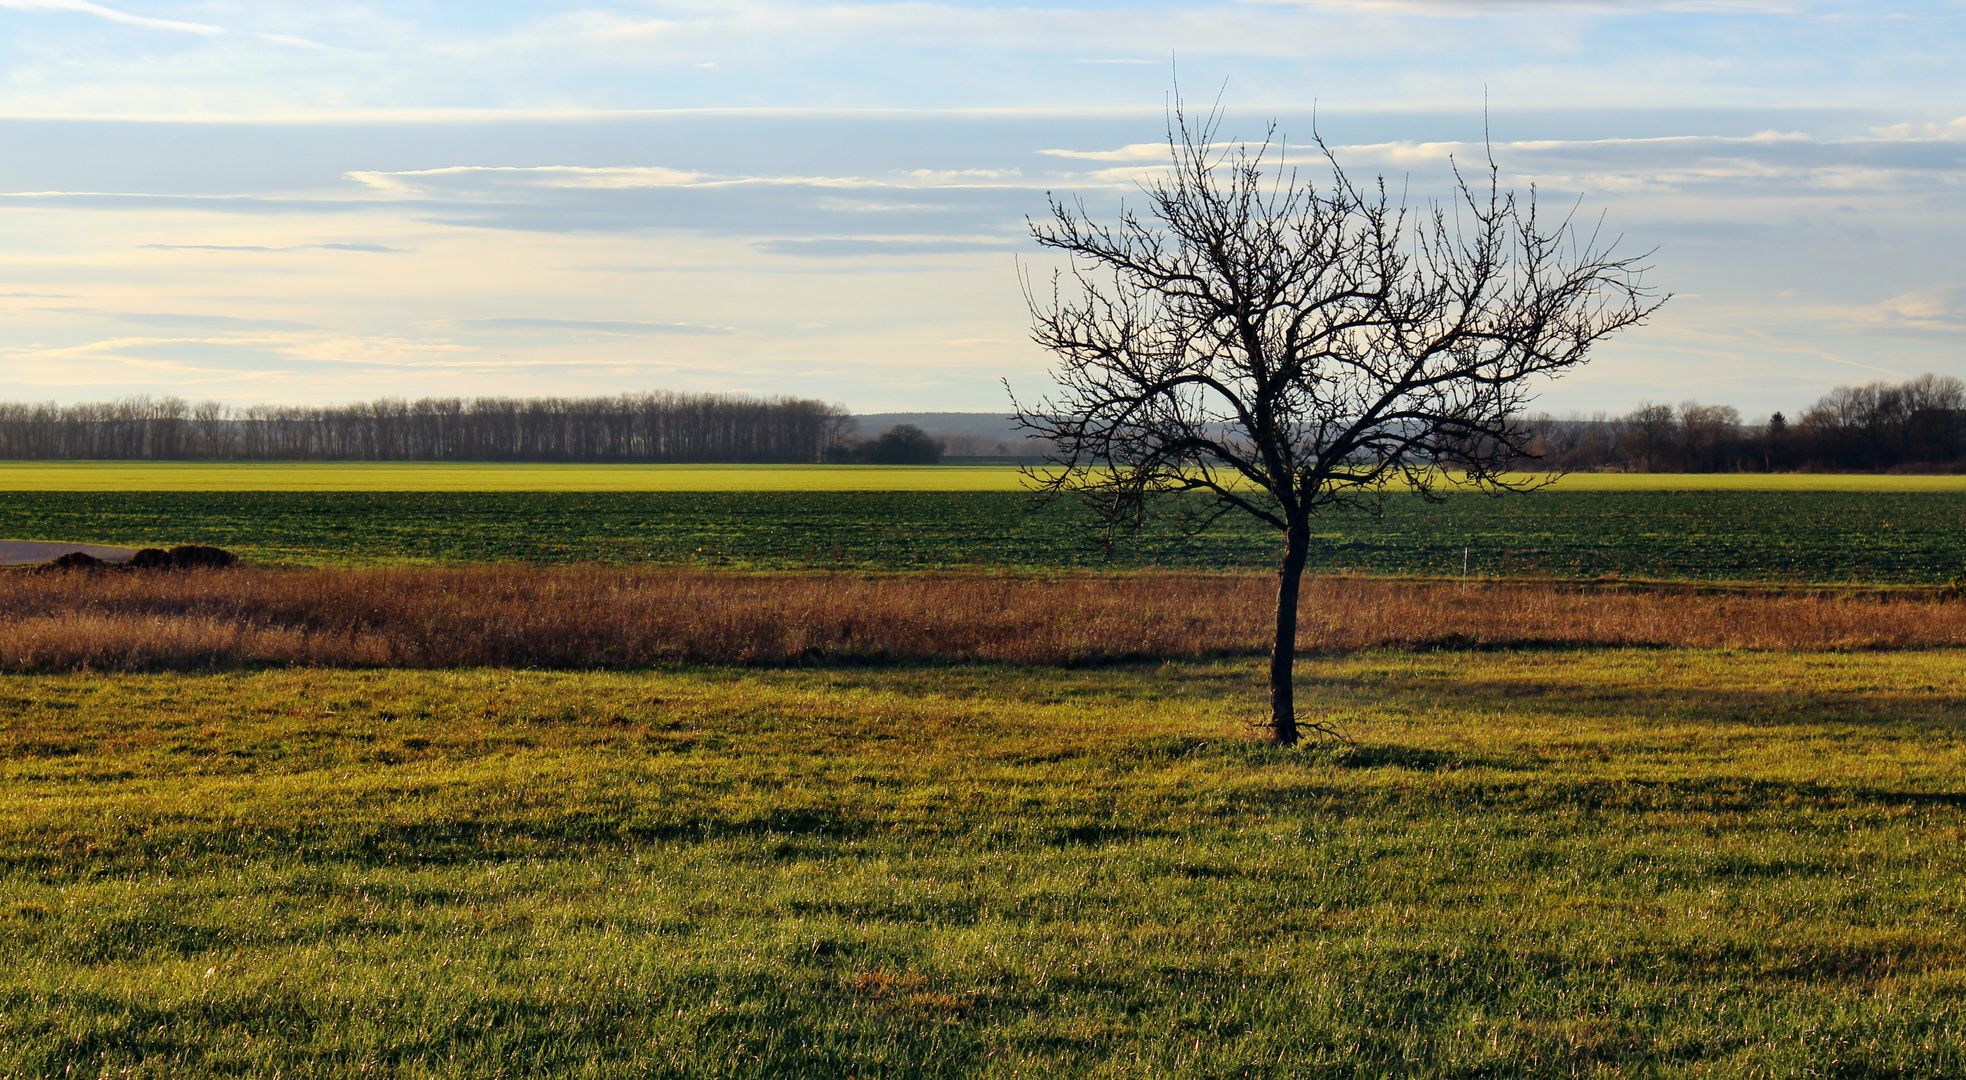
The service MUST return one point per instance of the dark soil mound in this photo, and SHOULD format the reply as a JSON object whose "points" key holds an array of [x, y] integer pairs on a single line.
{"points": [[184, 557], [75, 560], [197, 556]]}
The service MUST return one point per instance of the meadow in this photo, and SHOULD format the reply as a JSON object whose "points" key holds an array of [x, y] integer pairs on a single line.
{"points": [[1572, 863]]}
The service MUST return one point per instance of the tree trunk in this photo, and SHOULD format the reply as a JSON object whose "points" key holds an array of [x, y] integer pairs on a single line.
{"points": [[1283, 653]]}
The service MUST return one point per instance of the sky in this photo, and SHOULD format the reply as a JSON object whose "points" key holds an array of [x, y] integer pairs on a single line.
{"points": [[278, 202]]}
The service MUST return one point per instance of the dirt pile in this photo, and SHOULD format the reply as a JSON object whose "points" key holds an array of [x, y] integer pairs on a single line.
{"points": [[182, 557], [77, 560]]}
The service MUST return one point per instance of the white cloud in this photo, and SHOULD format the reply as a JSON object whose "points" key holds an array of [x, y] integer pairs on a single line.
{"points": [[380, 249], [957, 176], [457, 179], [85, 8], [587, 326], [1767, 163], [1953, 130], [859, 247], [1130, 152], [425, 181], [1938, 302], [1936, 309]]}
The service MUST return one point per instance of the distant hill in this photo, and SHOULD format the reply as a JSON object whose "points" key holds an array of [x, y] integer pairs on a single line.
{"points": [[967, 434], [987, 425]]}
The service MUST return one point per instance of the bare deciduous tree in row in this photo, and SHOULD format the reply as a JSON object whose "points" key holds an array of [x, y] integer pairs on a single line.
{"points": [[651, 427], [1918, 425]]}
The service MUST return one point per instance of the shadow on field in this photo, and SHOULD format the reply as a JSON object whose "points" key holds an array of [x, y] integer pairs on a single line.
{"points": [[1775, 707], [1528, 790], [1492, 781], [1708, 794], [1333, 753]]}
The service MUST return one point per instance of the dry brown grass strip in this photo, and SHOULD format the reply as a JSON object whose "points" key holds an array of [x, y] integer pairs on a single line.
{"points": [[603, 616]]}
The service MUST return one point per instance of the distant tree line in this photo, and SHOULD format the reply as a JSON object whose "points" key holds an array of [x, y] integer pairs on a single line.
{"points": [[648, 427], [1917, 426]]}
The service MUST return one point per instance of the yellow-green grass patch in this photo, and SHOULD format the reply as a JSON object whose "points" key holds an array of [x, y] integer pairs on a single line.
{"points": [[1657, 862], [1871, 482], [493, 476]]}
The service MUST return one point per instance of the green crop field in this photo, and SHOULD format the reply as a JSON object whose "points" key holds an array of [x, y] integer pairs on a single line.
{"points": [[1903, 537], [1660, 863], [490, 476]]}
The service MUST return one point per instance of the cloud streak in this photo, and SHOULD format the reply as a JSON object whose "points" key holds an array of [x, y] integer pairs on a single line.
{"points": [[378, 249], [83, 7], [1929, 157], [859, 247], [415, 183], [591, 326]]}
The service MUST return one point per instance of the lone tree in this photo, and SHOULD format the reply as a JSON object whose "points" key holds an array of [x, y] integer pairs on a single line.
{"points": [[1281, 349], [905, 444]]}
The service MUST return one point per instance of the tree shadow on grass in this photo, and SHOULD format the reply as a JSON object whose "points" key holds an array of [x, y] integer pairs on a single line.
{"points": [[1643, 703], [1335, 753]]}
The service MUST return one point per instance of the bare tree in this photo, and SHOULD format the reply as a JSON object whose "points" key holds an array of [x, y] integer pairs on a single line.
{"points": [[1709, 435], [1282, 349], [1652, 435]]}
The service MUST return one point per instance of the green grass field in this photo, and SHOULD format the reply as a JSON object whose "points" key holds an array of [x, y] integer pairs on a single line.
{"points": [[489, 476], [1663, 863], [1883, 537]]}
